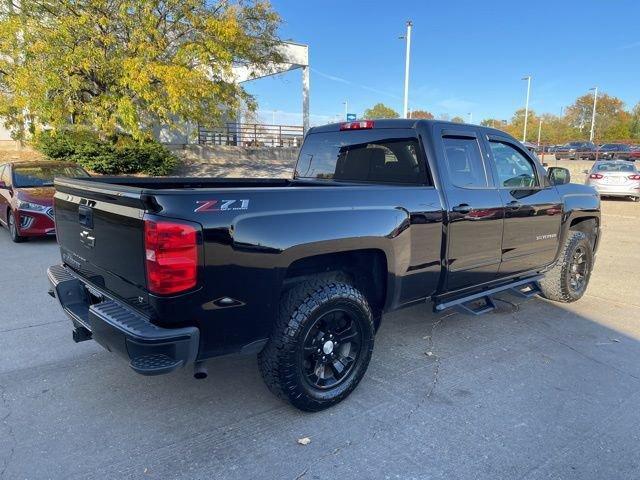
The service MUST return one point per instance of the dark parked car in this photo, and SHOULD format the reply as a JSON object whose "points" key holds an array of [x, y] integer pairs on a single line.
{"points": [[26, 196], [576, 150], [616, 151], [379, 215]]}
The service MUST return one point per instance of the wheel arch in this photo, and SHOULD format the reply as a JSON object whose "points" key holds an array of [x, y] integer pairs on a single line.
{"points": [[366, 269], [589, 225]]}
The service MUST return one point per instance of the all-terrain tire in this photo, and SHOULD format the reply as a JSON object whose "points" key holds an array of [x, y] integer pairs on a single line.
{"points": [[282, 361], [557, 283]]}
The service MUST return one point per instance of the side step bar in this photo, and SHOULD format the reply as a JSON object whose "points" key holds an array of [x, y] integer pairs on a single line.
{"points": [[482, 302]]}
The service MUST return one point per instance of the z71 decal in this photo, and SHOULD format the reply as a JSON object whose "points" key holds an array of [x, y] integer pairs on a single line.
{"points": [[221, 205]]}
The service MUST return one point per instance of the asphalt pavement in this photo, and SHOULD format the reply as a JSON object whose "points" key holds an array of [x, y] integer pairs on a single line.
{"points": [[534, 390]]}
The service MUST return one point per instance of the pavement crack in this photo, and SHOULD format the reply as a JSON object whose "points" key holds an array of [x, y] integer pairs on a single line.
{"points": [[10, 434], [31, 326], [335, 451], [436, 373]]}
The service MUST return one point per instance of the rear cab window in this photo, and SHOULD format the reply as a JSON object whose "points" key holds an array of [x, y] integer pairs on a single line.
{"points": [[465, 166], [372, 156]]}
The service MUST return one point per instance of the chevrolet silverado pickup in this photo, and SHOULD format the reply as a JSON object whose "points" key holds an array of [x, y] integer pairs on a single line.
{"points": [[379, 215]]}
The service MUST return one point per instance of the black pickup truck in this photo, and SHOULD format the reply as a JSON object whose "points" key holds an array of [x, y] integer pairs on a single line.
{"points": [[169, 272]]}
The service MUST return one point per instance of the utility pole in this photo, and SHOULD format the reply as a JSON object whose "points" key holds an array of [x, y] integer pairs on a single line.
{"points": [[526, 107], [407, 61], [346, 109], [593, 114]]}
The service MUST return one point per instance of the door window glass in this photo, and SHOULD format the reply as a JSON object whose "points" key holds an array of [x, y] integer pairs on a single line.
{"points": [[514, 169], [464, 162]]}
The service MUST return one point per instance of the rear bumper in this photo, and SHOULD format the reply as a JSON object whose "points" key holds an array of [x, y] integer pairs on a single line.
{"points": [[617, 190], [151, 350]]}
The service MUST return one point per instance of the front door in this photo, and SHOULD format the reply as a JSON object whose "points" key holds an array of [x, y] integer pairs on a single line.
{"points": [[474, 209], [533, 208]]}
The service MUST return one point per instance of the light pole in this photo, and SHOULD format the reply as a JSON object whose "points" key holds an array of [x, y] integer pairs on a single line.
{"points": [[470, 117], [407, 60], [346, 109], [526, 107], [539, 131], [593, 114]]}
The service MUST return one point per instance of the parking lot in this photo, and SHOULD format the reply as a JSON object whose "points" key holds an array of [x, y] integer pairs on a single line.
{"points": [[535, 390]]}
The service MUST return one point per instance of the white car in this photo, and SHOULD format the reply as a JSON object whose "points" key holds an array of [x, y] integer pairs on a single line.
{"points": [[616, 178]]}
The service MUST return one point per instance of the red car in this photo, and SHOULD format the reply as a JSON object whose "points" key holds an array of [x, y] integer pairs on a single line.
{"points": [[26, 196]]}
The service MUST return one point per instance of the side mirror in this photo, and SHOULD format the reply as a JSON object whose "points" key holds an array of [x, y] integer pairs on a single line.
{"points": [[558, 175], [585, 172], [3, 185]]}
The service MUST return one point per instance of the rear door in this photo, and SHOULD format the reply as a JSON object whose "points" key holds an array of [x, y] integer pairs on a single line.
{"points": [[533, 208], [474, 208]]}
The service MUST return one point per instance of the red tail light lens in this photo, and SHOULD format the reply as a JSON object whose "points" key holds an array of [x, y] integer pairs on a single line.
{"points": [[634, 177], [597, 176], [171, 251], [361, 125]]}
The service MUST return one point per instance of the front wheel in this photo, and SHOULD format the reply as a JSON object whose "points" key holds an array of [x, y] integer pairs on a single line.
{"points": [[13, 229], [568, 279], [321, 344]]}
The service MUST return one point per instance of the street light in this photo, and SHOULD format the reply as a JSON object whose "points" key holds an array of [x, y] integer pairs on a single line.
{"points": [[593, 114], [539, 131], [346, 109], [407, 59], [526, 107], [470, 117]]}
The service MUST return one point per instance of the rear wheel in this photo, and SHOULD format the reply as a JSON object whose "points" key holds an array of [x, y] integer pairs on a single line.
{"points": [[321, 344], [13, 228], [568, 279]]}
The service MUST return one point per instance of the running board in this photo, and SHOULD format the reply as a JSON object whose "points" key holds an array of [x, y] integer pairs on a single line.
{"points": [[482, 302]]}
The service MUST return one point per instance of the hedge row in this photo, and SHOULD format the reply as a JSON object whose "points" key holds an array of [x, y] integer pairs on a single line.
{"points": [[118, 157]]}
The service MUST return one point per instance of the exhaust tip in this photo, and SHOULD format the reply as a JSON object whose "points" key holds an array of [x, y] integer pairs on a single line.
{"points": [[200, 371]]}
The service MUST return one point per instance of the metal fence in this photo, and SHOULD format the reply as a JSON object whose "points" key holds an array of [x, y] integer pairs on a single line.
{"points": [[252, 135]]}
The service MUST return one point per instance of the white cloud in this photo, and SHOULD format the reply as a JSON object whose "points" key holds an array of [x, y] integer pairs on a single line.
{"points": [[456, 105], [629, 46], [356, 85]]}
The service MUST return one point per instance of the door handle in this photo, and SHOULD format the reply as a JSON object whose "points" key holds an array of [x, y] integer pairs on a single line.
{"points": [[514, 205], [462, 208]]}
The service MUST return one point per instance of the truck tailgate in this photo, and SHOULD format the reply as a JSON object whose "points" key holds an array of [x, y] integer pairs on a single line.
{"points": [[100, 230]]}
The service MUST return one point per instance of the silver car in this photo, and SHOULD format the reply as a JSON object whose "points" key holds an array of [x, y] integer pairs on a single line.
{"points": [[615, 178]]}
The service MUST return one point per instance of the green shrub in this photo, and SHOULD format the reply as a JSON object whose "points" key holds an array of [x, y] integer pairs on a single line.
{"points": [[122, 156]]}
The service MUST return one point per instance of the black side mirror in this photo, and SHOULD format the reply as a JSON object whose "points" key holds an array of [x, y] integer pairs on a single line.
{"points": [[3, 185], [558, 175]]}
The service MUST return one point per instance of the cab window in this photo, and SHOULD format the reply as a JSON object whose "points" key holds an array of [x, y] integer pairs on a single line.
{"points": [[514, 169], [464, 162]]}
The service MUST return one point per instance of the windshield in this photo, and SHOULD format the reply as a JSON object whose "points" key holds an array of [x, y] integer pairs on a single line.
{"points": [[43, 175], [614, 167]]}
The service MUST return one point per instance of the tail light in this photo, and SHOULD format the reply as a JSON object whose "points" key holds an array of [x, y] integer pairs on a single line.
{"points": [[634, 177], [171, 251], [597, 176], [361, 125]]}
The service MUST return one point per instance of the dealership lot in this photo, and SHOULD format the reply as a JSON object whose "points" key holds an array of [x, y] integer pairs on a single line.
{"points": [[535, 390]]}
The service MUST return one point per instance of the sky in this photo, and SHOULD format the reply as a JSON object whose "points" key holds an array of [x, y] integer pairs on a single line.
{"points": [[466, 56]]}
